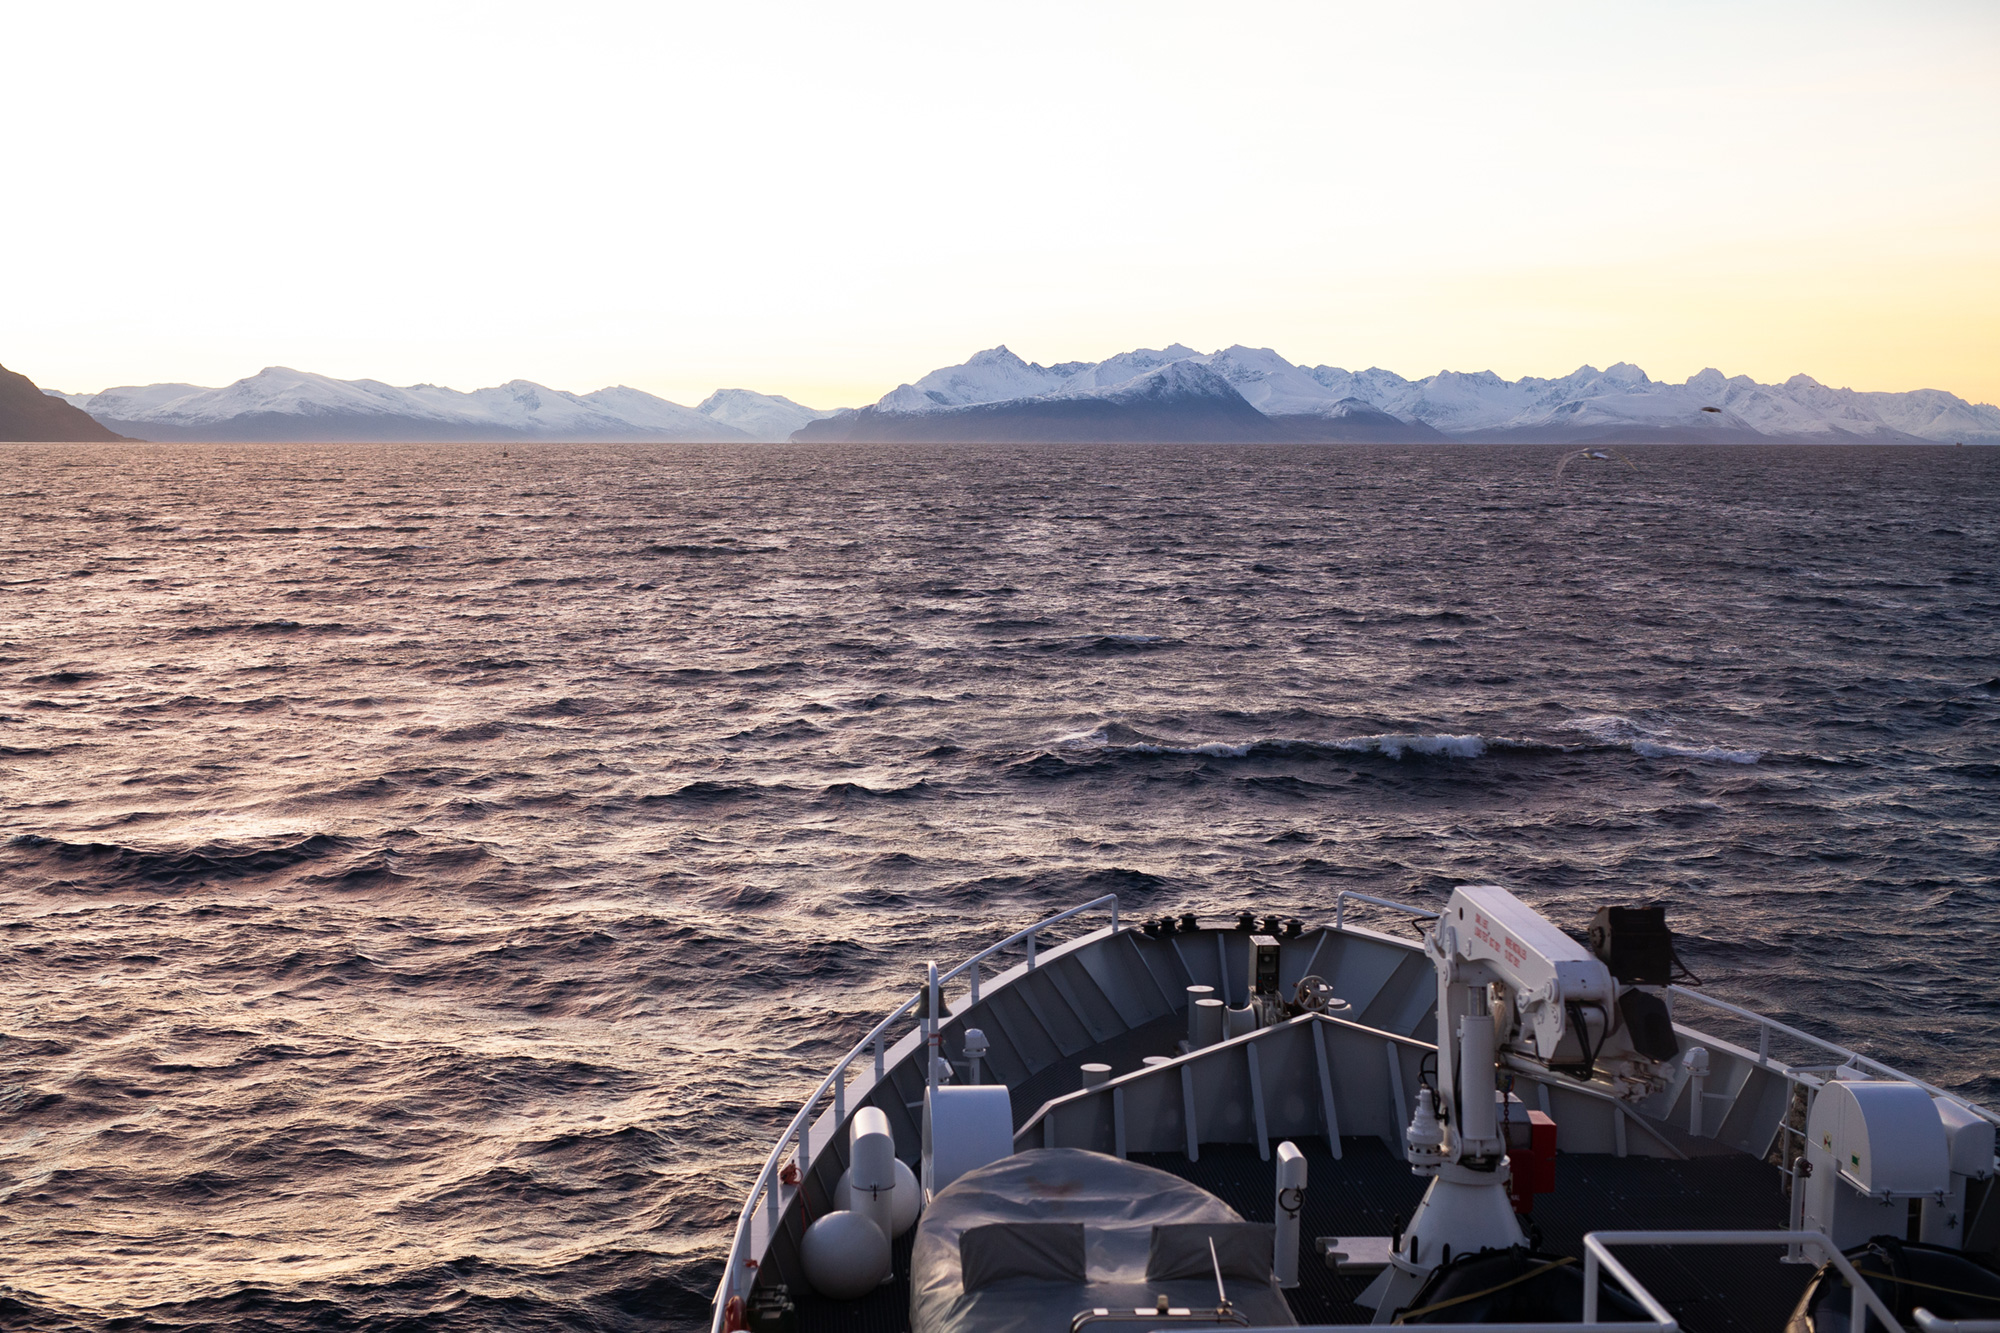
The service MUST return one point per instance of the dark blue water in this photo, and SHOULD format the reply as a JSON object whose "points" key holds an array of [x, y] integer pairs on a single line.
{"points": [[430, 875]]}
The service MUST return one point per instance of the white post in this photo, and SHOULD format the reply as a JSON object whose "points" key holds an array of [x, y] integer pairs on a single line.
{"points": [[1590, 1281], [1291, 1184], [933, 1036], [1114, 916], [1031, 947], [930, 1028]]}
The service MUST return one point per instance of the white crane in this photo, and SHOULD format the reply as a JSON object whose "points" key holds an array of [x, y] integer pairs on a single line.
{"points": [[1510, 986]]}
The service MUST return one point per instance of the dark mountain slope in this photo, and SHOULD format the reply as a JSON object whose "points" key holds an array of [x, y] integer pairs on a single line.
{"points": [[26, 413]]}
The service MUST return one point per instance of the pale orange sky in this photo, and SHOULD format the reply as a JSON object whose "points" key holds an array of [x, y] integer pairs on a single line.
{"points": [[826, 201]]}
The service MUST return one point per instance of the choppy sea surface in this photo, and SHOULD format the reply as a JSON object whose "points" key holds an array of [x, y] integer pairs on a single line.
{"points": [[431, 875]]}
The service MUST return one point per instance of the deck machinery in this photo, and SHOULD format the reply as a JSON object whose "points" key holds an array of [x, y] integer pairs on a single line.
{"points": [[1252, 1124]]}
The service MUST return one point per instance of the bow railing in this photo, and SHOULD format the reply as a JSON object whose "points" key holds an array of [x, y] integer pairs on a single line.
{"points": [[928, 1003]]}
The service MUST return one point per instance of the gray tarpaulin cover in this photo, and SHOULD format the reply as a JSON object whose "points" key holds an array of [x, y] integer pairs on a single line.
{"points": [[1118, 1203]]}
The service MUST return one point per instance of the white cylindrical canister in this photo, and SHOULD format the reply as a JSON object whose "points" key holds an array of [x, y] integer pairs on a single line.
{"points": [[1195, 995], [1205, 1028], [871, 1171], [1094, 1074]]}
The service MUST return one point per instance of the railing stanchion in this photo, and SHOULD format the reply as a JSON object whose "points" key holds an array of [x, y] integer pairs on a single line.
{"points": [[878, 1055], [933, 1037], [1590, 1281], [1031, 951], [975, 981], [1763, 1045]]}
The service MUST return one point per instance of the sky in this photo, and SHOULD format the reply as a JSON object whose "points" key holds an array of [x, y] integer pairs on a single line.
{"points": [[826, 201]]}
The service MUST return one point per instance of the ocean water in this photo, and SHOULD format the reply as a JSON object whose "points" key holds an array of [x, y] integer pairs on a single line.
{"points": [[431, 875]]}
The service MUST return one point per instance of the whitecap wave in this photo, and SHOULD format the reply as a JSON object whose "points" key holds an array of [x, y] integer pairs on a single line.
{"points": [[1712, 753], [1396, 745], [1441, 747], [1625, 734]]}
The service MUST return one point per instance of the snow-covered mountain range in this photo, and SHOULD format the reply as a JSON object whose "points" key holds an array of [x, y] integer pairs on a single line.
{"points": [[281, 404], [1169, 393], [996, 395], [1139, 396]]}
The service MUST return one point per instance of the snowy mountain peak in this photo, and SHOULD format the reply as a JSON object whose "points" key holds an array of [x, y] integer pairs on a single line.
{"points": [[1620, 400], [992, 376], [1179, 378], [762, 416], [280, 403]]}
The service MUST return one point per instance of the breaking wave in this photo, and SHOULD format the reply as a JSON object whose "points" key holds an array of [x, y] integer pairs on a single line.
{"points": [[1647, 743]]}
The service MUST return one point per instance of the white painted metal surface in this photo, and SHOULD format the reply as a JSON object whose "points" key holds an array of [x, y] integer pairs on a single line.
{"points": [[1289, 1182]]}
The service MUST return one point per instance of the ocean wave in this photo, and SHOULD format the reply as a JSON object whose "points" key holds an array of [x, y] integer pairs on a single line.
{"points": [[177, 865], [1390, 745], [1108, 645], [1611, 730], [1608, 733], [1710, 753]]}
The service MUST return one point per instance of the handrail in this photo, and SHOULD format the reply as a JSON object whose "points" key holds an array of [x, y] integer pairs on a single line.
{"points": [[799, 1130], [1930, 1323], [1595, 1253], [1766, 1026], [1340, 907], [1029, 935]]}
